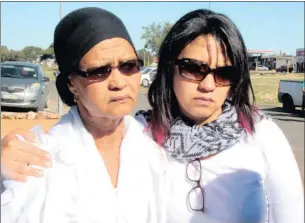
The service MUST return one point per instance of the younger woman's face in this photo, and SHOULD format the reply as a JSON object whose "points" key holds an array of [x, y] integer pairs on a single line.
{"points": [[201, 101]]}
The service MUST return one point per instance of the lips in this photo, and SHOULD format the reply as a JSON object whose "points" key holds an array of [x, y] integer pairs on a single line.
{"points": [[119, 98], [203, 101], [207, 99]]}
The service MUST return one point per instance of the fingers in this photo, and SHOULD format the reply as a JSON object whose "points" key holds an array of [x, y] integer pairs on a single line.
{"points": [[28, 135], [17, 154], [28, 152], [18, 171], [26, 157], [18, 177]]}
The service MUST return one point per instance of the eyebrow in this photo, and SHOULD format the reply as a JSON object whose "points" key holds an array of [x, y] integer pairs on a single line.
{"points": [[92, 68]]}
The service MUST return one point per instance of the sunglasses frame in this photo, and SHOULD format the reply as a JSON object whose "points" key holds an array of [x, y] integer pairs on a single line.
{"points": [[181, 62], [86, 74]]}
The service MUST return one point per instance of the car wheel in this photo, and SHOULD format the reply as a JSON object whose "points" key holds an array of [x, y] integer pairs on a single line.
{"points": [[288, 104], [145, 83]]}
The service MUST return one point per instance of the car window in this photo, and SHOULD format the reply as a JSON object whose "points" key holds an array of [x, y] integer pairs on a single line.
{"points": [[154, 72], [18, 71], [146, 71]]}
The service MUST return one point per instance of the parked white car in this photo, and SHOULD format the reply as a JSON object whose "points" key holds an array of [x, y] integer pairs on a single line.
{"points": [[262, 68], [148, 75], [290, 94]]}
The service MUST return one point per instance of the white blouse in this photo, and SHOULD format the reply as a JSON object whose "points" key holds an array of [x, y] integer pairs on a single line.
{"points": [[78, 189], [255, 181]]}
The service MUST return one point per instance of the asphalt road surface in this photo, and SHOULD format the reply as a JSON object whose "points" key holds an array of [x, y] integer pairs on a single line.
{"points": [[291, 124]]}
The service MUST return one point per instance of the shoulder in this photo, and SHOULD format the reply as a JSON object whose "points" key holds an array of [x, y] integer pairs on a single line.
{"points": [[267, 129], [62, 128], [154, 153], [272, 142]]}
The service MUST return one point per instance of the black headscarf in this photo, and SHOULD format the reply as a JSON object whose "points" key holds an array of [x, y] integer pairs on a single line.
{"points": [[75, 35]]}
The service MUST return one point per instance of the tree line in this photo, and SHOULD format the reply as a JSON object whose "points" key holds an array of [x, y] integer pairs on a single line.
{"points": [[29, 53], [152, 34]]}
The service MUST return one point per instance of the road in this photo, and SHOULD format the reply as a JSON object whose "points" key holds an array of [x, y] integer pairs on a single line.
{"points": [[291, 124]]}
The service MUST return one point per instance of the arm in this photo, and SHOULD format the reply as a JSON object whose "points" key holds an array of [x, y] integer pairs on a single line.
{"points": [[283, 183], [17, 154]]}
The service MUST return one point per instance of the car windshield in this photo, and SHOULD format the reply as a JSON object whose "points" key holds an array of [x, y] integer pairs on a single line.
{"points": [[146, 71], [18, 71]]}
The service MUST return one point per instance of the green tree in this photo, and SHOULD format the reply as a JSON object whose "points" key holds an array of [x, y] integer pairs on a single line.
{"points": [[19, 55], [145, 55], [32, 52], [154, 34], [4, 52], [50, 50]]}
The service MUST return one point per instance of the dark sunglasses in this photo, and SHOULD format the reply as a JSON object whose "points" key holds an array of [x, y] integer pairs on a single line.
{"points": [[196, 71], [128, 67]]}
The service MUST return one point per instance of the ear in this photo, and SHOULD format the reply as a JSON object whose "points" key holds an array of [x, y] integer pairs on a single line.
{"points": [[71, 87]]}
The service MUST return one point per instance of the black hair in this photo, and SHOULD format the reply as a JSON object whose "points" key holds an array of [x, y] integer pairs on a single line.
{"points": [[161, 95]]}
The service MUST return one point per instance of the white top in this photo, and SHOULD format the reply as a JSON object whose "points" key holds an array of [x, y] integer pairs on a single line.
{"points": [[255, 181], [78, 188]]}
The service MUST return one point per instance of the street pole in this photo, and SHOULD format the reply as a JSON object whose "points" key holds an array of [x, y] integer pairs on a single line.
{"points": [[144, 57], [59, 101]]}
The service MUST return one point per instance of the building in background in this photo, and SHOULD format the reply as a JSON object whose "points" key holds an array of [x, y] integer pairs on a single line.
{"points": [[273, 62], [255, 58], [300, 60], [270, 60]]}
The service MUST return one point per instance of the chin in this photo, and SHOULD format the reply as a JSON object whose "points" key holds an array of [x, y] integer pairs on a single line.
{"points": [[199, 114], [120, 110]]}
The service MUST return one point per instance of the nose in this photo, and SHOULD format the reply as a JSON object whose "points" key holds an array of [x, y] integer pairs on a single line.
{"points": [[117, 80], [207, 84]]}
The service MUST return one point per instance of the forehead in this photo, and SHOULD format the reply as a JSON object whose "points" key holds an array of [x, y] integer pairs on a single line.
{"points": [[108, 51], [208, 49]]}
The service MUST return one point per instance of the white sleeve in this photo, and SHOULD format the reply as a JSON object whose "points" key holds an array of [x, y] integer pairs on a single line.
{"points": [[17, 196], [284, 190]]}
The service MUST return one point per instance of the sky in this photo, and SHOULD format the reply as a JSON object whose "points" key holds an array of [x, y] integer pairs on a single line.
{"points": [[277, 26]]}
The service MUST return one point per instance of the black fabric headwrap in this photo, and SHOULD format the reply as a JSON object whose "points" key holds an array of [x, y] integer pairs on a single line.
{"points": [[80, 31]]}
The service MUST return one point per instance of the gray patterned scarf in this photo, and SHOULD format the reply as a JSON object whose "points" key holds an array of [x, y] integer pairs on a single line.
{"points": [[190, 142]]}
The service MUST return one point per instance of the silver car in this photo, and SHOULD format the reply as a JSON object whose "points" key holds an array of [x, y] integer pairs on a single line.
{"points": [[148, 75], [23, 85]]}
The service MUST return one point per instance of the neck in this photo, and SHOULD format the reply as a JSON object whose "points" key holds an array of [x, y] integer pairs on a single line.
{"points": [[101, 127]]}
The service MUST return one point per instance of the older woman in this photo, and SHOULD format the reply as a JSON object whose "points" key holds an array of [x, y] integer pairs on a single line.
{"points": [[228, 163], [104, 168]]}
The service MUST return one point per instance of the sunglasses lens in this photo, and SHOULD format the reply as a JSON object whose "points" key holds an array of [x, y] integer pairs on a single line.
{"points": [[191, 70], [129, 67], [99, 73], [223, 75]]}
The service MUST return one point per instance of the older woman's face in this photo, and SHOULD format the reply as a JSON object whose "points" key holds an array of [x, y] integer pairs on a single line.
{"points": [[201, 101], [113, 95]]}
